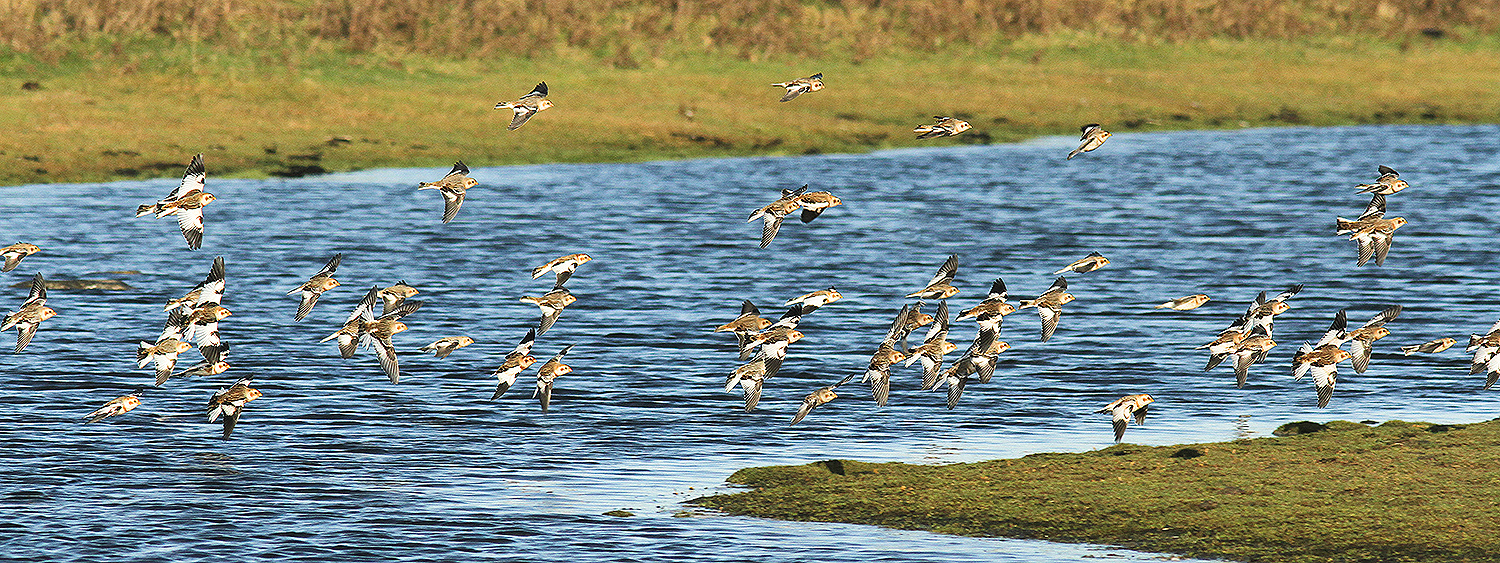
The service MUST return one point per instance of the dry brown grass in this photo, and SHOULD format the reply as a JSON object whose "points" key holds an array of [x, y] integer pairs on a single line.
{"points": [[626, 31]]}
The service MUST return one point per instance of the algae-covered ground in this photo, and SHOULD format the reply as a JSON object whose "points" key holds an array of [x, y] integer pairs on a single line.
{"points": [[142, 109], [1395, 492]]}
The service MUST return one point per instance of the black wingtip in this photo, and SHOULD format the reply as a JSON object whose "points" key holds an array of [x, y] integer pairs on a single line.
{"points": [[195, 167], [541, 88]]}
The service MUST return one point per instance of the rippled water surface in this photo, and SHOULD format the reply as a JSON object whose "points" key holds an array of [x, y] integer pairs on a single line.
{"points": [[335, 463]]}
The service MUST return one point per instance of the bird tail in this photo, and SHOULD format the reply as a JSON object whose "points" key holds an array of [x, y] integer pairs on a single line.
{"points": [[143, 355], [147, 209], [1074, 153], [427, 185], [1409, 350]]}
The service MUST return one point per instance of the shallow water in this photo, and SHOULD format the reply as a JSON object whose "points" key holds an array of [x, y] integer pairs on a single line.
{"points": [[335, 462]]}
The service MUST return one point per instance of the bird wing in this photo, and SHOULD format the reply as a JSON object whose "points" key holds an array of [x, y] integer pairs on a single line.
{"points": [[1049, 321], [946, 272], [190, 221], [769, 229], [192, 179], [452, 200], [523, 114]]}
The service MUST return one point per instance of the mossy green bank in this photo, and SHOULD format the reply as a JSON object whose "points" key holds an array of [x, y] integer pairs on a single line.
{"points": [[1395, 492]]}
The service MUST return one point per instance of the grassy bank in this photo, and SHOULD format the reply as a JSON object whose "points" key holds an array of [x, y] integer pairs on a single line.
{"points": [[1395, 492], [143, 111]]}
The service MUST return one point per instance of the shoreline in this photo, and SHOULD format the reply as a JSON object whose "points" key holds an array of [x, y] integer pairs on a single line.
{"points": [[336, 112], [1398, 491]]}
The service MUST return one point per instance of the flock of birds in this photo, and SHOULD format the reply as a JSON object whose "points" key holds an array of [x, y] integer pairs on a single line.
{"points": [[192, 320]]}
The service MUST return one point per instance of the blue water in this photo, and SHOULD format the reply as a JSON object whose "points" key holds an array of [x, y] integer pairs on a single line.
{"points": [[335, 463]]}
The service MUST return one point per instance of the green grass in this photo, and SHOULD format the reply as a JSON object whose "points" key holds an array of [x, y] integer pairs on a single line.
{"points": [[1395, 492], [141, 109]]}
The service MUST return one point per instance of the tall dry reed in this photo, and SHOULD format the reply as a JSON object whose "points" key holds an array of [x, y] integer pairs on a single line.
{"points": [[483, 28]]}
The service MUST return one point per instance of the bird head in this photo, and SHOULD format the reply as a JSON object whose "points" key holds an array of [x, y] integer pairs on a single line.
{"points": [[1397, 222], [48, 313], [922, 319], [184, 346], [584, 258], [793, 336], [208, 198], [218, 368], [563, 369], [329, 283], [1380, 333], [569, 300], [398, 326], [1065, 298], [544, 104], [526, 361], [949, 346], [825, 395], [465, 341], [960, 127], [998, 347]]}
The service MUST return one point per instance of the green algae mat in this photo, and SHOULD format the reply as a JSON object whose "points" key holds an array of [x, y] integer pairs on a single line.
{"points": [[1399, 491]]}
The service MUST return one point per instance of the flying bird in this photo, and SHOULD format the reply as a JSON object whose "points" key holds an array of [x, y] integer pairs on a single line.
{"points": [[1086, 264], [515, 362], [392, 297], [1321, 359], [1185, 303], [1125, 408], [817, 298], [800, 86], [167, 347], [552, 304], [933, 348], [945, 127], [745, 326], [229, 402], [1486, 349], [453, 187], [1432, 347], [527, 106], [1093, 138], [1372, 233], [1362, 339], [1049, 305], [1389, 183], [315, 286], [815, 203], [14, 253], [818, 398], [444, 346], [562, 266], [772, 214], [990, 313], [941, 286], [878, 374], [31, 314], [117, 406], [186, 202], [548, 373]]}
